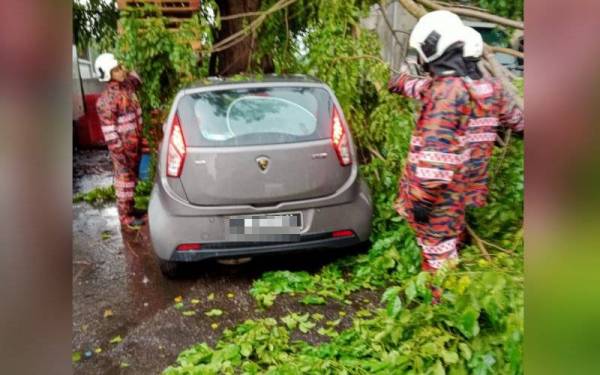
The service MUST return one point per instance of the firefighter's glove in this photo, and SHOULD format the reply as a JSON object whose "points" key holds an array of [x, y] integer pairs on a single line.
{"points": [[421, 211]]}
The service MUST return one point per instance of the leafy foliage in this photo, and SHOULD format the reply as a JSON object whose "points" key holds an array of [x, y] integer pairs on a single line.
{"points": [[96, 197], [164, 60], [477, 327], [507, 8], [94, 23], [101, 196], [142, 194]]}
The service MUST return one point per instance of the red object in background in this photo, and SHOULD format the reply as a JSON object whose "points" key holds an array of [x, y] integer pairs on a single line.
{"points": [[87, 128]]}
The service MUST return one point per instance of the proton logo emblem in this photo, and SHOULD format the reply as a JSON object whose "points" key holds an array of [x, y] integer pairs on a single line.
{"points": [[263, 163]]}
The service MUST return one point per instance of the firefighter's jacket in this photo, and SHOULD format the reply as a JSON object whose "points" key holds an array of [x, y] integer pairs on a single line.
{"points": [[492, 107]]}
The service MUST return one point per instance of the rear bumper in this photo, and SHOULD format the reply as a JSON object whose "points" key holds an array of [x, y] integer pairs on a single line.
{"points": [[170, 228], [258, 249]]}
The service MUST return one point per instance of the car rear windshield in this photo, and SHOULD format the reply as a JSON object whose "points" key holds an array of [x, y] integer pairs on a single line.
{"points": [[256, 116]]}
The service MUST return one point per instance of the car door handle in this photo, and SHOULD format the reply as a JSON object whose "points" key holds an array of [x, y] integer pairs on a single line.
{"points": [[322, 155]]}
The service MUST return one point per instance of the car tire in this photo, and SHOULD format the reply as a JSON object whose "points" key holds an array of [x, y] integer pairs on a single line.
{"points": [[169, 269]]}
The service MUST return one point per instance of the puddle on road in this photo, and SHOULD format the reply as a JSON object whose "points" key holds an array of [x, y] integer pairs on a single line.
{"points": [[91, 169]]}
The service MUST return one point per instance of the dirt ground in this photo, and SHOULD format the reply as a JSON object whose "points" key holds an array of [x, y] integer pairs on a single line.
{"points": [[118, 290]]}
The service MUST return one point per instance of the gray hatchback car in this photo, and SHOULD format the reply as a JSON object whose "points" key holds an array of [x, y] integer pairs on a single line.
{"points": [[255, 167]]}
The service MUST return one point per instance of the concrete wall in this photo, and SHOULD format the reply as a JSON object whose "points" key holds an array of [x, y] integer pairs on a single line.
{"points": [[92, 86], [402, 22]]}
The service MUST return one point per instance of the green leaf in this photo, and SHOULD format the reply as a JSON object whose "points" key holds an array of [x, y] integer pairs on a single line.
{"points": [[437, 369], [411, 291], [313, 300], [393, 307], [246, 349], [76, 356], [304, 327], [390, 293], [116, 340], [289, 321], [465, 350], [189, 313], [214, 312], [449, 357], [317, 316], [468, 323]]}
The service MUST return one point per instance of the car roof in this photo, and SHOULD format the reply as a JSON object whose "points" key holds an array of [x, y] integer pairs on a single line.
{"points": [[267, 78]]}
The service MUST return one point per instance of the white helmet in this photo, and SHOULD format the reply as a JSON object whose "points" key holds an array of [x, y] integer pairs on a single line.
{"points": [[435, 32], [104, 64], [473, 43]]}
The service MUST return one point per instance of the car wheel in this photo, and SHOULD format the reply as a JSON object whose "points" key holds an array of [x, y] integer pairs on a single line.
{"points": [[169, 269]]}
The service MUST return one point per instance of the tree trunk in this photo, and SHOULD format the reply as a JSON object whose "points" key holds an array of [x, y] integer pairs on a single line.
{"points": [[237, 58]]}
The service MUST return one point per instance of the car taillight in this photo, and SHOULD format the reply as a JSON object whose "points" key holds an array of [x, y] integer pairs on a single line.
{"points": [[176, 150], [342, 233], [189, 247], [339, 139]]}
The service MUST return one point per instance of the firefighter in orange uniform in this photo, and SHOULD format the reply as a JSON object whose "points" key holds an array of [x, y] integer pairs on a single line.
{"points": [[121, 119]]}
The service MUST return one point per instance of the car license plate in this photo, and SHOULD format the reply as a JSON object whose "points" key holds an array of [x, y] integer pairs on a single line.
{"points": [[270, 228]]}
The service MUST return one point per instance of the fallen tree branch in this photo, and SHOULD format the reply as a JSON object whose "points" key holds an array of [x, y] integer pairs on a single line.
{"points": [[508, 51], [504, 151], [484, 69], [413, 8], [501, 142], [479, 243], [475, 13], [389, 25], [376, 153], [458, 5], [496, 246], [498, 71], [241, 15], [237, 37], [357, 57]]}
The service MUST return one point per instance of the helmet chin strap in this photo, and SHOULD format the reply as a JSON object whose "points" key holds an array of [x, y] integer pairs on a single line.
{"points": [[451, 63], [473, 69]]}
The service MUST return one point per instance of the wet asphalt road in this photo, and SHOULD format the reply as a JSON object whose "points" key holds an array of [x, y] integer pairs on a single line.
{"points": [[115, 272]]}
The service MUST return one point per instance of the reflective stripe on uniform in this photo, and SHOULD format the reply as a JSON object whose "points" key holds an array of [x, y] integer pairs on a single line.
{"points": [[520, 127], [438, 263], [434, 174], [444, 157], [515, 116], [127, 127], [419, 85], [442, 248], [124, 194], [110, 136], [418, 141], [124, 184], [484, 121], [108, 129], [482, 90], [481, 137], [410, 84], [126, 118]]}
